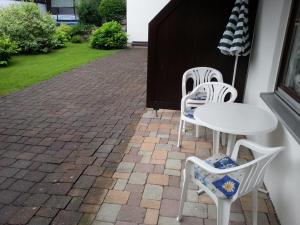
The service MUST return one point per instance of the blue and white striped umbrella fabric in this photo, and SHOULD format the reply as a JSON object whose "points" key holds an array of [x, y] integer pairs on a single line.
{"points": [[235, 40]]}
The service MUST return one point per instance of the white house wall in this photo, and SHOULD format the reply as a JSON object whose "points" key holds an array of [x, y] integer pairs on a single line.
{"points": [[283, 179], [5, 3], [139, 14]]}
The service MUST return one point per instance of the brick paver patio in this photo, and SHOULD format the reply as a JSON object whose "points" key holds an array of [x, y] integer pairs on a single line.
{"points": [[62, 140], [82, 149]]}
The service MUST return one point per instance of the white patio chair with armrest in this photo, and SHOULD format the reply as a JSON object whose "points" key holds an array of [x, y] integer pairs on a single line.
{"points": [[199, 75], [215, 92], [225, 181]]}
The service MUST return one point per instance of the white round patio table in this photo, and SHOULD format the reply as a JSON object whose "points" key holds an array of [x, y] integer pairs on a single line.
{"points": [[234, 119]]}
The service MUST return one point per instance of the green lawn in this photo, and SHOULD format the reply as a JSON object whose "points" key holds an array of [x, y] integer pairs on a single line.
{"points": [[26, 70]]}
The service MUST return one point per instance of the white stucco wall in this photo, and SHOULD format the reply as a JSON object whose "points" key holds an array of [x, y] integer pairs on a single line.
{"points": [[5, 3], [283, 179], [139, 14]]}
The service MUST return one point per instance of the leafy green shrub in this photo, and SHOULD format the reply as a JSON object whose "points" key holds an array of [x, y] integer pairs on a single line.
{"points": [[113, 10], [65, 29], [7, 49], [60, 39], [28, 28], [109, 36], [76, 39], [82, 30], [88, 12]]}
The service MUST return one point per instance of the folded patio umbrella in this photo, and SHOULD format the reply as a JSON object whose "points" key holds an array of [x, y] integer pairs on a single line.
{"points": [[235, 40]]}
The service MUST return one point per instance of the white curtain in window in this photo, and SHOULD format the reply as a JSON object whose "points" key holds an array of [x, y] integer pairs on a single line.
{"points": [[62, 3], [293, 73]]}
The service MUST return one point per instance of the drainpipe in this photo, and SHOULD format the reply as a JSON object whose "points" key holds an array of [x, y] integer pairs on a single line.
{"points": [[48, 5]]}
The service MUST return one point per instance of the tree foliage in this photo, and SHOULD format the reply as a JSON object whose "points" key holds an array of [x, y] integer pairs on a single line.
{"points": [[88, 12], [113, 10]]}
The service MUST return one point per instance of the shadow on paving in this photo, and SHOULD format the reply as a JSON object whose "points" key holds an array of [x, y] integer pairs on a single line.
{"points": [[61, 140]]}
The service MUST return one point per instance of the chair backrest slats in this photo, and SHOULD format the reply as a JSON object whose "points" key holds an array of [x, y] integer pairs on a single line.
{"points": [[254, 173], [217, 92], [200, 75]]}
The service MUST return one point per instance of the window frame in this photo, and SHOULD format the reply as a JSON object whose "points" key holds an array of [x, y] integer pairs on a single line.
{"points": [[287, 94]]}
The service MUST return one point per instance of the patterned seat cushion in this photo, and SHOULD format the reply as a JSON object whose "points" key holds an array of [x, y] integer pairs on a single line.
{"points": [[224, 186], [199, 96], [189, 112]]}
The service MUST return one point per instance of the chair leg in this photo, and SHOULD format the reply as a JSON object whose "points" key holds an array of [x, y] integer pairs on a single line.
{"points": [[223, 139], [216, 141], [254, 207], [184, 126], [186, 181], [230, 143], [179, 133], [223, 212], [197, 131]]}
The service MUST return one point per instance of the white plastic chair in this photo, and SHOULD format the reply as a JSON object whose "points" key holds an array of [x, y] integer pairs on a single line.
{"points": [[215, 92], [199, 75], [249, 177]]}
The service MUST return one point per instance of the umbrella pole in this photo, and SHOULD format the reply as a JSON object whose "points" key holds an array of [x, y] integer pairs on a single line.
{"points": [[234, 69]]}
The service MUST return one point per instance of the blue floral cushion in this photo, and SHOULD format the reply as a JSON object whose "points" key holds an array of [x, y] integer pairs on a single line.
{"points": [[189, 112], [224, 186], [225, 163], [201, 96], [227, 186]]}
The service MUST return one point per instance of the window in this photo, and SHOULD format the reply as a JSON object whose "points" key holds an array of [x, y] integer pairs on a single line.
{"points": [[285, 102], [289, 72]]}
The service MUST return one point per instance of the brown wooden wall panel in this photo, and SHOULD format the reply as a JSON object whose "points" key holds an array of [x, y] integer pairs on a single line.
{"points": [[185, 34]]}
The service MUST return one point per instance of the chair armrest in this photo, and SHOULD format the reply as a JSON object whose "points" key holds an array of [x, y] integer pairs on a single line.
{"points": [[184, 102], [253, 147], [208, 168], [190, 96], [202, 164]]}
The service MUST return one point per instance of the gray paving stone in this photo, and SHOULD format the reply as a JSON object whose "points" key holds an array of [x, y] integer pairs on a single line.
{"points": [[67, 218], [7, 212], [108, 212], [125, 167], [47, 212], [176, 155], [23, 215], [153, 192], [235, 217], [132, 214], [101, 223], [195, 209], [85, 182], [137, 178], [58, 201], [8, 172], [7, 197], [39, 221], [21, 186], [120, 185], [167, 221], [192, 196], [59, 188], [36, 200], [172, 172], [173, 164]]}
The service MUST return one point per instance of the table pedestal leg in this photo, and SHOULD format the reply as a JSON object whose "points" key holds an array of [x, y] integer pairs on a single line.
{"points": [[230, 143], [216, 141]]}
